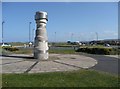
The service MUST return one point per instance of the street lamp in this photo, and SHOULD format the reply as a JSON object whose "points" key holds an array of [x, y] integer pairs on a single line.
{"points": [[72, 37], [96, 36], [29, 34], [33, 35], [55, 36], [2, 32]]}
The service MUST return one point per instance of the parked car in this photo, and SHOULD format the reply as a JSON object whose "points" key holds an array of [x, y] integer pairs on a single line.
{"points": [[5, 45], [107, 45]]}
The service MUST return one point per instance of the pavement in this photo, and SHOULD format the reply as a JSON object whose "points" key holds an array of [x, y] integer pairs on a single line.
{"points": [[115, 56], [21, 63]]}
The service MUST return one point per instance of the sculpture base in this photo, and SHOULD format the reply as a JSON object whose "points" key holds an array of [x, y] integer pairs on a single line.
{"points": [[41, 56]]}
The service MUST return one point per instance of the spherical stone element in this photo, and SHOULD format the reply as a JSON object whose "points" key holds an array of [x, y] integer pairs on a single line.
{"points": [[41, 40]]}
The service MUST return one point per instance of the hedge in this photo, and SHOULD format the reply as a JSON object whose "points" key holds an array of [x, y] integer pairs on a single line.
{"points": [[102, 51], [11, 48]]}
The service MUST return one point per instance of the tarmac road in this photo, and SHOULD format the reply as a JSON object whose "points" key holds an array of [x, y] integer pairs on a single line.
{"points": [[106, 64]]}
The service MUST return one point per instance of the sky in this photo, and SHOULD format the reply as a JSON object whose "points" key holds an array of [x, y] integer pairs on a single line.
{"points": [[72, 21], [60, 0]]}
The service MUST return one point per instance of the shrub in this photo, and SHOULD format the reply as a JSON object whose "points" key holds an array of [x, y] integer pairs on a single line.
{"points": [[11, 48], [104, 51]]}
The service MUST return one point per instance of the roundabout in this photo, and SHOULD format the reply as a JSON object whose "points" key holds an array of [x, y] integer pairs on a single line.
{"points": [[22, 63]]}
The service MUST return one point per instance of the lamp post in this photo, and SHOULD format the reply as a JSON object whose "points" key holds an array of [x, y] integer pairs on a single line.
{"points": [[72, 37], [33, 35], [55, 37], [2, 31], [96, 36], [29, 33]]}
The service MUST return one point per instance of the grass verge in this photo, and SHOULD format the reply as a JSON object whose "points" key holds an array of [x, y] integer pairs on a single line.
{"points": [[30, 51], [64, 51], [81, 78]]}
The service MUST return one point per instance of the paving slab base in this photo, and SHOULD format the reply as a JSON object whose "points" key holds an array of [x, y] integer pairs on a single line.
{"points": [[21, 63]]}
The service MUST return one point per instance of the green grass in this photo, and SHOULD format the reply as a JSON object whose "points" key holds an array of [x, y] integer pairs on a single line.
{"points": [[81, 78], [24, 51], [30, 51], [20, 51]]}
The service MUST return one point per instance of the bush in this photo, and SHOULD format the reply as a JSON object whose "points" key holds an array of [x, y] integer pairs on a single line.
{"points": [[11, 48], [104, 51]]}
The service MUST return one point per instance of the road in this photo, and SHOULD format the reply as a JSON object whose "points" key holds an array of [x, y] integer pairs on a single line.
{"points": [[106, 64]]}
